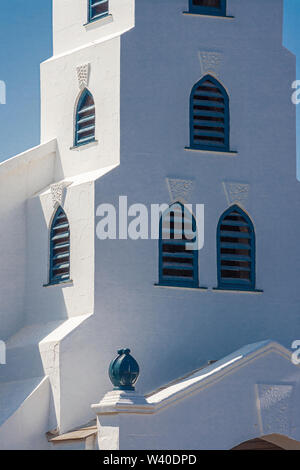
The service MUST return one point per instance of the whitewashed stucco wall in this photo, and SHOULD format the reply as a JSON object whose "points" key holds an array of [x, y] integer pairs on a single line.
{"points": [[60, 92], [172, 331], [19, 178], [26, 428], [57, 302], [70, 31], [262, 393]]}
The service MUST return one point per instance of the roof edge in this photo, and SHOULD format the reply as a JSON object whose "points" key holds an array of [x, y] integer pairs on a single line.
{"points": [[213, 373], [30, 155]]}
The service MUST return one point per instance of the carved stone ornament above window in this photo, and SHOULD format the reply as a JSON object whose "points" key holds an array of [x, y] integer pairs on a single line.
{"points": [[179, 189], [236, 192], [57, 192], [83, 75], [274, 408], [210, 62]]}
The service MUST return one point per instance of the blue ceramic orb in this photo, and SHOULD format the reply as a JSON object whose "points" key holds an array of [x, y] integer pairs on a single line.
{"points": [[124, 371]]}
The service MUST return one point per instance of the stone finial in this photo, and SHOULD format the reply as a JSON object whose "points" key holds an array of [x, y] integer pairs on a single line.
{"points": [[124, 371]]}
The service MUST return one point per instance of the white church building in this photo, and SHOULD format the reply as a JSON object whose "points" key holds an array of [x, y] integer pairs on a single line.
{"points": [[175, 102]]}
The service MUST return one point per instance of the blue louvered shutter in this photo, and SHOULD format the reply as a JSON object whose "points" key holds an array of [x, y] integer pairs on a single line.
{"points": [[209, 115], [97, 9], [85, 119], [177, 265], [236, 250], [59, 248], [208, 7]]}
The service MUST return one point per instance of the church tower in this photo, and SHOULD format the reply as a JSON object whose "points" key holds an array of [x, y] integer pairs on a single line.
{"points": [[165, 101], [49, 241], [83, 72]]}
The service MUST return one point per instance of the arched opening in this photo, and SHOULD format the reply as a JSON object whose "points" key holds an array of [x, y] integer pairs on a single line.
{"points": [[209, 115], [236, 250], [178, 266], [59, 248], [269, 442], [85, 119]]}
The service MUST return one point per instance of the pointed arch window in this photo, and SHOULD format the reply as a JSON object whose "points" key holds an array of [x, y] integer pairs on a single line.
{"points": [[59, 248], [178, 266], [236, 250], [209, 115], [97, 9], [208, 7], [85, 119]]}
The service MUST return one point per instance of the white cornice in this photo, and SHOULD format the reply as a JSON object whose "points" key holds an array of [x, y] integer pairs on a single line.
{"points": [[121, 401]]}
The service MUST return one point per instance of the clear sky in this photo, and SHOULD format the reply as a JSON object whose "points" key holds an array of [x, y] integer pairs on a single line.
{"points": [[25, 41]]}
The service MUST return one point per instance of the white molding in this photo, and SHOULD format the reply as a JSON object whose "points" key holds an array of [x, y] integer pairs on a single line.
{"points": [[197, 289], [224, 17], [79, 148], [212, 152], [123, 401], [236, 291], [100, 22], [216, 372]]}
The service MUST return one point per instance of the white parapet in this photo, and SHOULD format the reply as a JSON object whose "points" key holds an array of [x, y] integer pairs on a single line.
{"points": [[198, 411], [109, 411]]}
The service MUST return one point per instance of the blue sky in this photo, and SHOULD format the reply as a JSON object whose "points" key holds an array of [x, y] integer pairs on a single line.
{"points": [[25, 41]]}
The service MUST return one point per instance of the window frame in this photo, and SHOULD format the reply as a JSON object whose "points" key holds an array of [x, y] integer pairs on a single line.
{"points": [[197, 146], [82, 96], [54, 280], [92, 18], [207, 10], [238, 284], [194, 283]]}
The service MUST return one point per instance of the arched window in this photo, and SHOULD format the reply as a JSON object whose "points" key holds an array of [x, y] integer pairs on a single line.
{"points": [[208, 7], [178, 265], [59, 248], [85, 119], [209, 115], [236, 250], [97, 9]]}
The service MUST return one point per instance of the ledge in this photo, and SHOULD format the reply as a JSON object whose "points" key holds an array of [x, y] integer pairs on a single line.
{"points": [[222, 17], [84, 146], [202, 289], [238, 291], [99, 22], [215, 152], [60, 284], [214, 289]]}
